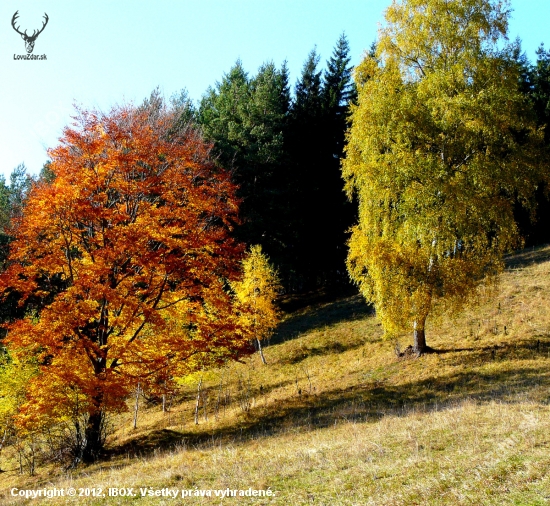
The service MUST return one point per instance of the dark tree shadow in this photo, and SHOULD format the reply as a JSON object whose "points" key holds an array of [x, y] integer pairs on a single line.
{"points": [[320, 316], [527, 257], [147, 444], [300, 354], [295, 302]]}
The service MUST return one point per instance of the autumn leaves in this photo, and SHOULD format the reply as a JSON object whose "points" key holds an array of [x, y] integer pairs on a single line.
{"points": [[123, 263], [442, 147]]}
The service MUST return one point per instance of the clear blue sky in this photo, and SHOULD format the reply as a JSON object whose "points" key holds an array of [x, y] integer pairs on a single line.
{"points": [[104, 52]]}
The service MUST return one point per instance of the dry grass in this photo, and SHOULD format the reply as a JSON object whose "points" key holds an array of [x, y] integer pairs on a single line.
{"points": [[336, 419]]}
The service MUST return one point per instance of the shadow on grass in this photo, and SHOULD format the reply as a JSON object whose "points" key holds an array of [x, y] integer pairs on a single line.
{"points": [[148, 444], [300, 354], [369, 400], [519, 349], [527, 257], [322, 316], [295, 302]]}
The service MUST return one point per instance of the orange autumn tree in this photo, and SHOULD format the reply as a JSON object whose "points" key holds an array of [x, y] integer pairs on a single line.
{"points": [[123, 263]]}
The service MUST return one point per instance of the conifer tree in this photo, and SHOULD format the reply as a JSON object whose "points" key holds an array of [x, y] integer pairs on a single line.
{"points": [[540, 93], [319, 118], [306, 141], [308, 99], [339, 92], [20, 185], [541, 90], [184, 108], [535, 84], [246, 119], [221, 115], [12, 203], [5, 210]]}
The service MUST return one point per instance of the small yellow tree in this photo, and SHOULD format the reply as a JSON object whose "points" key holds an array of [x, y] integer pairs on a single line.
{"points": [[14, 377], [256, 294]]}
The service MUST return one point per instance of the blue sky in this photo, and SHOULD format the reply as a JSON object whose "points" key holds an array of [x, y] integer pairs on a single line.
{"points": [[105, 52]]}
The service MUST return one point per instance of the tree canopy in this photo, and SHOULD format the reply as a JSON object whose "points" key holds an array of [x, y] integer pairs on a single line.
{"points": [[122, 260], [442, 142], [245, 119], [256, 293]]}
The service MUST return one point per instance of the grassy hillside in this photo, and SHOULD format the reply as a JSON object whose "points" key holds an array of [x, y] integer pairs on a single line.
{"points": [[335, 418]]}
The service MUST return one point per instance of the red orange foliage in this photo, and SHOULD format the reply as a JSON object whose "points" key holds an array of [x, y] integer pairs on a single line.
{"points": [[123, 261]]}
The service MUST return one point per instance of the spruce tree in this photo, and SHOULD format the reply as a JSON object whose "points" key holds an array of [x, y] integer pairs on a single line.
{"points": [[339, 92], [221, 114], [319, 118], [305, 145], [541, 90], [246, 118], [540, 79]]}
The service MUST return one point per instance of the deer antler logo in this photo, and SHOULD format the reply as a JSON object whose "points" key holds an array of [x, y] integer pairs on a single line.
{"points": [[29, 39]]}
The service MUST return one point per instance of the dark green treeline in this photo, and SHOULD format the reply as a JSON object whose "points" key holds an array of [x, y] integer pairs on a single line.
{"points": [[284, 150], [535, 84]]}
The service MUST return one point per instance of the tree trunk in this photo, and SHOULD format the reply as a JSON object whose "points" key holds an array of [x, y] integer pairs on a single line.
{"points": [[136, 406], [94, 437], [261, 351], [198, 402], [420, 347]]}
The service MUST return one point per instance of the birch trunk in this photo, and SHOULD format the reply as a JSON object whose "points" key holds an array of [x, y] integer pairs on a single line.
{"points": [[261, 351], [420, 347], [136, 407]]}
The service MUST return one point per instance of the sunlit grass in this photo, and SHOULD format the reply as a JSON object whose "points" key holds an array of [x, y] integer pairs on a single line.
{"points": [[336, 418]]}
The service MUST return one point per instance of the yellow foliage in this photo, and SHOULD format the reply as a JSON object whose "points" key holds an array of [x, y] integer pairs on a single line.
{"points": [[256, 293], [441, 144], [15, 375]]}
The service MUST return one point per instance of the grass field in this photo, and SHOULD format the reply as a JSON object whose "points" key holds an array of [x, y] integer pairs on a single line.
{"points": [[335, 418]]}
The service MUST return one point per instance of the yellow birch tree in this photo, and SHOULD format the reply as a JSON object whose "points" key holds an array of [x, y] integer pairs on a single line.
{"points": [[441, 144], [256, 293]]}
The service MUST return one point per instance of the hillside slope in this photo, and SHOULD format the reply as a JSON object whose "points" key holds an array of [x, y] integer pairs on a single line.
{"points": [[335, 418]]}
